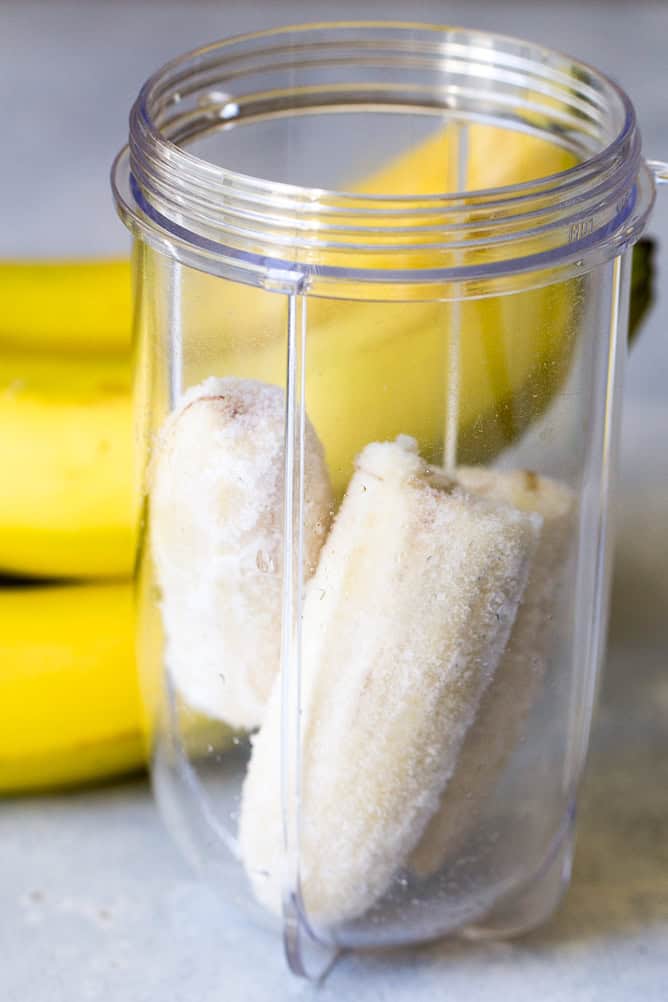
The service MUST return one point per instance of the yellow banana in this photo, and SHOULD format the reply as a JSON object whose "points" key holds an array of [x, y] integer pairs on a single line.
{"points": [[70, 706], [377, 369], [66, 503], [65, 305], [374, 371], [69, 701]]}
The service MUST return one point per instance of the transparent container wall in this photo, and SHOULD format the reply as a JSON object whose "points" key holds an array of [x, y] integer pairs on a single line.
{"points": [[373, 575]]}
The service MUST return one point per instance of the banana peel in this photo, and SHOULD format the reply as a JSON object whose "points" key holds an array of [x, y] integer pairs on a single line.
{"points": [[66, 506], [69, 699], [78, 306]]}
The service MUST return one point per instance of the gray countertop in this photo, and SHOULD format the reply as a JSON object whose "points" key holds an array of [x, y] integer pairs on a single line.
{"points": [[96, 904]]}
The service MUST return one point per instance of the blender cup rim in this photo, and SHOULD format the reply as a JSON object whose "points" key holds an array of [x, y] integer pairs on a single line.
{"points": [[204, 213]]}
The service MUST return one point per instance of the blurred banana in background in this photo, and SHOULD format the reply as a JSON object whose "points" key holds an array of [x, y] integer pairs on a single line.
{"points": [[69, 699], [65, 306], [69, 705], [66, 457]]}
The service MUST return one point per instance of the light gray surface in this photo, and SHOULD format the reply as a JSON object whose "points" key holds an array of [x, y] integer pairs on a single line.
{"points": [[96, 904]]}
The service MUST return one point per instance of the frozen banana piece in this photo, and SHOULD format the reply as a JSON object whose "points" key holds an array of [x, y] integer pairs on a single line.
{"points": [[404, 623], [507, 701], [216, 540]]}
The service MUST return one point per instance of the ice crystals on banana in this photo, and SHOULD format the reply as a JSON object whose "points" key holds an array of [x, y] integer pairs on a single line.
{"points": [[216, 539], [507, 701], [404, 624]]}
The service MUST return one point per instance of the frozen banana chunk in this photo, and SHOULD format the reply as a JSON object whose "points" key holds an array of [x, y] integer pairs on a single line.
{"points": [[404, 624], [507, 701], [216, 538]]}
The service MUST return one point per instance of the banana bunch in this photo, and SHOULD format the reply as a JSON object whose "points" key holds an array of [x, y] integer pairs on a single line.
{"points": [[69, 701], [69, 705]]}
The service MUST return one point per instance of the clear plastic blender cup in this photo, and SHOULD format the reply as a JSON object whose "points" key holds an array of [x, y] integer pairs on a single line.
{"points": [[382, 280]]}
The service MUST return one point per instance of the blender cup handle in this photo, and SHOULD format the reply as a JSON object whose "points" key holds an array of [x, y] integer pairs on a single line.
{"points": [[659, 169]]}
